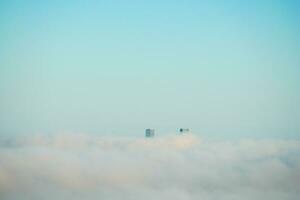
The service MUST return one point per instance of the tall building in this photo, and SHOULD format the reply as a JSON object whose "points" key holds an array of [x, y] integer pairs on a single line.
{"points": [[149, 133], [184, 130]]}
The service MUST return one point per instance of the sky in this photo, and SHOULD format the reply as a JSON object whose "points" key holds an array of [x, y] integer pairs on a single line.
{"points": [[224, 69]]}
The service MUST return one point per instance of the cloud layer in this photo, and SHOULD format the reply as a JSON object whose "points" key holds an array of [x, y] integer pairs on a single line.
{"points": [[81, 167]]}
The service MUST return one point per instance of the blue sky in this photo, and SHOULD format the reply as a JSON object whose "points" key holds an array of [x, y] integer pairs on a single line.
{"points": [[225, 69]]}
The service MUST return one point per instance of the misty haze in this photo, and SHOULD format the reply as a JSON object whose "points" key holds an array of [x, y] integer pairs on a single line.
{"points": [[149, 100]]}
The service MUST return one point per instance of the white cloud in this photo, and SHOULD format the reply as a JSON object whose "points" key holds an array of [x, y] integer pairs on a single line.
{"points": [[69, 166]]}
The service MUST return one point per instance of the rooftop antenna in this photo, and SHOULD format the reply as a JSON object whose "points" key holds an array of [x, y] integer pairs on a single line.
{"points": [[184, 130]]}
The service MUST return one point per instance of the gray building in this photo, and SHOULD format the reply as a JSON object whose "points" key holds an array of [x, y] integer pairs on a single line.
{"points": [[149, 133]]}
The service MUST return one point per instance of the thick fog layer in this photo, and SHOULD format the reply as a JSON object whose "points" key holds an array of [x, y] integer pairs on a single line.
{"points": [[184, 167]]}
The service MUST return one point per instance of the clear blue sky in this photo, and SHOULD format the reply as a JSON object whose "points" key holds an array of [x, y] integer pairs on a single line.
{"points": [[222, 68]]}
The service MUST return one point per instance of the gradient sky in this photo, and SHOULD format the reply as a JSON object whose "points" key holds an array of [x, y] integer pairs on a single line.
{"points": [[225, 69]]}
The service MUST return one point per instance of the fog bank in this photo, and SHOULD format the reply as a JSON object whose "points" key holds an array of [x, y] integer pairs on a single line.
{"points": [[82, 167]]}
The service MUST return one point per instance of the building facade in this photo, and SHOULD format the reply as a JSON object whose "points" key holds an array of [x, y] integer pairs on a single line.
{"points": [[149, 133]]}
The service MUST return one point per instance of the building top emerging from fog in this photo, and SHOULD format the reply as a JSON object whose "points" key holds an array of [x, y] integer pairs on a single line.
{"points": [[184, 130], [149, 133]]}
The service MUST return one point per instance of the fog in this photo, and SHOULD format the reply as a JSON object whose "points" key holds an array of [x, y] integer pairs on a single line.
{"points": [[180, 167]]}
